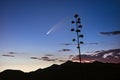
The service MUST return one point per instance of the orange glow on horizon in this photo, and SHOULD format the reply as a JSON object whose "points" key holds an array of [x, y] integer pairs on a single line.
{"points": [[84, 61]]}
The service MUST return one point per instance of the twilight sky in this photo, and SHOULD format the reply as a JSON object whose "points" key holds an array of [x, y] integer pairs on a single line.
{"points": [[24, 25]]}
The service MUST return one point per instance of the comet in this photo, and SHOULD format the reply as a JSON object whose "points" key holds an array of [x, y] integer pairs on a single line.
{"points": [[51, 29], [56, 26]]}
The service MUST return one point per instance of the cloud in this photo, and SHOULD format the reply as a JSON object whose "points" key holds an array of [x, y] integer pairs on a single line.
{"points": [[49, 55], [71, 56], [110, 33], [97, 51], [76, 57], [91, 43], [65, 50], [34, 58], [108, 53], [45, 58], [67, 44], [94, 43], [111, 56], [11, 52], [62, 60], [6, 55]]}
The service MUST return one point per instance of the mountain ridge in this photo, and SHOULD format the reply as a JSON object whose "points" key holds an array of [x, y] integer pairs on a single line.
{"points": [[69, 70]]}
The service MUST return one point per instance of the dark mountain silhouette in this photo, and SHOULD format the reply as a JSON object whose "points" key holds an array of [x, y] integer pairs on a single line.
{"points": [[13, 75], [68, 71]]}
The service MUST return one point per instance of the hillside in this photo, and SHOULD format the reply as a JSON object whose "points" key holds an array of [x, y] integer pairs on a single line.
{"points": [[67, 71]]}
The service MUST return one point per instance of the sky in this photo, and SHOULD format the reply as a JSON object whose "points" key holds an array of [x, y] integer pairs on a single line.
{"points": [[34, 33]]}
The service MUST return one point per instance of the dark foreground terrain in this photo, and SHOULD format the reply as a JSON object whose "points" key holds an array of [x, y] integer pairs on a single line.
{"points": [[68, 71]]}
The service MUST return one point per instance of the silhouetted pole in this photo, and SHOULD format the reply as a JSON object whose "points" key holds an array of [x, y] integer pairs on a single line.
{"points": [[78, 30]]}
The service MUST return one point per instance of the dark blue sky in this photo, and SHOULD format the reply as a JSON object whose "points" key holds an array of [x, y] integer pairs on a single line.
{"points": [[24, 24]]}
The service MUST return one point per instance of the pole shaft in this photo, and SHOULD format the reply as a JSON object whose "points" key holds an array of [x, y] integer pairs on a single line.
{"points": [[78, 41]]}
